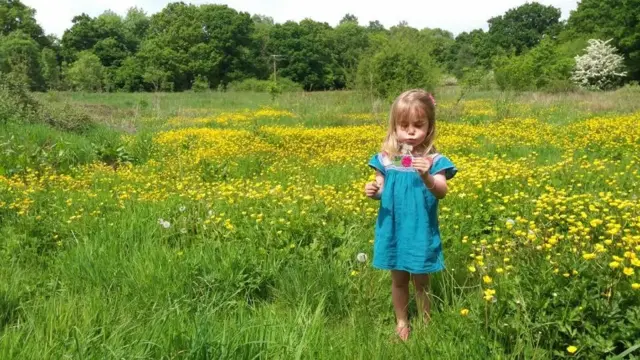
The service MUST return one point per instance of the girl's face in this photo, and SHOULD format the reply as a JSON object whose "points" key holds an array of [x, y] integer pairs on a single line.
{"points": [[412, 132]]}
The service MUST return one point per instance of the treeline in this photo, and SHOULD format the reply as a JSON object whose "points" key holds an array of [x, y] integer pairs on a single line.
{"points": [[213, 46]]}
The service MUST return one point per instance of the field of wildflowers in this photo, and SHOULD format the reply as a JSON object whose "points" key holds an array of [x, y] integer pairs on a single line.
{"points": [[237, 234]]}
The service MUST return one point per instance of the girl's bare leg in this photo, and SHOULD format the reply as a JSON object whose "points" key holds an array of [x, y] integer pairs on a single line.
{"points": [[400, 296], [422, 284]]}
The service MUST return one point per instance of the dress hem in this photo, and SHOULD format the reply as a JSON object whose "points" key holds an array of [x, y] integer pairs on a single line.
{"points": [[418, 272]]}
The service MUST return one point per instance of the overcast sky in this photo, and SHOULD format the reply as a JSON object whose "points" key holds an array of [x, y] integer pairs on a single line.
{"points": [[453, 15]]}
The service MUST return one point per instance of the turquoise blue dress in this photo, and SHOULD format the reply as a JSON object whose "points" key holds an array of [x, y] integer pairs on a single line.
{"points": [[407, 234]]}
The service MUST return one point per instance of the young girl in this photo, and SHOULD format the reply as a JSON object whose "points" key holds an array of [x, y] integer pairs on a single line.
{"points": [[410, 179]]}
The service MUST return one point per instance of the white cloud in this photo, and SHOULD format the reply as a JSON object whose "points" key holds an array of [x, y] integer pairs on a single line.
{"points": [[452, 15]]}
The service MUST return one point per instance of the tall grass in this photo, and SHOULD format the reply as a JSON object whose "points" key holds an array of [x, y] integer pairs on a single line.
{"points": [[88, 272]]}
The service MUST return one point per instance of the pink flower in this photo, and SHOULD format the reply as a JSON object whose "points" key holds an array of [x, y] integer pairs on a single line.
{"points": [[406, 161]]}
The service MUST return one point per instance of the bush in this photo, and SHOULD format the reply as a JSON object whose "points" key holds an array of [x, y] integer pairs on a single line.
{"points": [[18, 106], [396, 67], [255, 85], [478, 79], [536, 70], [65, 116], [200, 84], [601, 68]]}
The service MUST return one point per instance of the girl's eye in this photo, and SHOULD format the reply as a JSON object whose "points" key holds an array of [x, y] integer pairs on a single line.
{"points": [[420, 125]]}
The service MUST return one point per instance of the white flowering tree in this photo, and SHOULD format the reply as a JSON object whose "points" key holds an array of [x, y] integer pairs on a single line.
{"points": [[600, 68]]}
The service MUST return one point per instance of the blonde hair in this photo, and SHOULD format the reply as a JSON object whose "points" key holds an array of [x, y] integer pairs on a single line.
{"points": [[411, 104]]}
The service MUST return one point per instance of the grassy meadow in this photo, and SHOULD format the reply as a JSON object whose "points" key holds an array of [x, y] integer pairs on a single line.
{"points": [[226, 226]]}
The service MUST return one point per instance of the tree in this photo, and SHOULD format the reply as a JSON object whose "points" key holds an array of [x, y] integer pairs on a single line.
{"points": [[348, 41], [86, 73], [398, 66], [470, 50], [349, 18], [157, 77], [20, 55], [105, 35], [523, 27], [601, 68], [135, 27], [130, 75], [440, 42], [50, 68], [228, 34], [541, 68], [306, 52], [211, 41], [82, 35], [611, 19], [375, 26], [15, 16]]}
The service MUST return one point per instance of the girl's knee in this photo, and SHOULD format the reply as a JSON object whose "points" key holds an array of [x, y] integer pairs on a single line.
{"points": [[400, 279], [421, 282]]}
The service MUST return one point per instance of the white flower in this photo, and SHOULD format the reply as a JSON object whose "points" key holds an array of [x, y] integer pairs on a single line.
{"points": [[165, 224], [361, 257], [183, 231], [511, 222], [600, 68], [406, 149], [210, 213], [182, 208]]}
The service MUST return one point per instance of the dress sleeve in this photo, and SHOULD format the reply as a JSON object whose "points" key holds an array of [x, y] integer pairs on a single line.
{"points": [[376, 164], [442, 163]]}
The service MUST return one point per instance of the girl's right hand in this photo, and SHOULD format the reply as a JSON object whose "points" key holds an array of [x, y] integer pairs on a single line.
{"points": [[371, 189]]}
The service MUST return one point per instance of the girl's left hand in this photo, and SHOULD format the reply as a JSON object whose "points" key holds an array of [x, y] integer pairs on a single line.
{"points": [[423, 165]]}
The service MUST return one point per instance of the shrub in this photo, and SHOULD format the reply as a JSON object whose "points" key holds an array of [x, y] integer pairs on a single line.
{"points": [[66, 117], [396, 67], [200, 84], [536, 70], [601, 68], [18, 106]]}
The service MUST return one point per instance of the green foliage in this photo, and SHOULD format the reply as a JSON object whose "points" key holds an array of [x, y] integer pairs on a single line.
{"points": [[86, 73], [50, 69], [538, 69], [471, 50], [16, 104], [274, 90], [348, 42], [183, 42], [188, 41], [66, 117], [200, 84], [16, 16], [158, 78], [20, 54], [130, 75], [255, 85], [38, 146], [478, 79], [398, 66], [611, 19], [307, 55], [523, 27]]}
